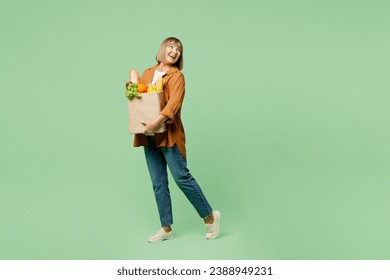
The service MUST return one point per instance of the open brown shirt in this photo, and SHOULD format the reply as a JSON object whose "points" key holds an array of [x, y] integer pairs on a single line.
{"points": [[174, 89]]}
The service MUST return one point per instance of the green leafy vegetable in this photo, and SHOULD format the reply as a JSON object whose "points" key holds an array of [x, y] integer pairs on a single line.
{"points": [[132, 91]]}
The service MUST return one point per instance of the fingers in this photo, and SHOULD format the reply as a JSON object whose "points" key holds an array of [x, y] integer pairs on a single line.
{"points": [[149, 128], [146, 132]]}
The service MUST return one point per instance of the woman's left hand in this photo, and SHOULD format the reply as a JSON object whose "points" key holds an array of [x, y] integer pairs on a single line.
{"points": [[150, 128]]}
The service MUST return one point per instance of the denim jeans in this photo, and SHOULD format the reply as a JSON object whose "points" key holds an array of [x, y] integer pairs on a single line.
{"points": [[157, 159]]}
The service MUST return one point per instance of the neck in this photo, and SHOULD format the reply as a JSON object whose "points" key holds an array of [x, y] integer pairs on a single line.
{"points": [[162, 67]]}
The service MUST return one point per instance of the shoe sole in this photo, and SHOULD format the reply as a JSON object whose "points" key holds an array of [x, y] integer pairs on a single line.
{"points": [[158, 241]]}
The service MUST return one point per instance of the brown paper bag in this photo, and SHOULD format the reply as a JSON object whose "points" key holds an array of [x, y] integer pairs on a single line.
{"points": [[145, 109]]}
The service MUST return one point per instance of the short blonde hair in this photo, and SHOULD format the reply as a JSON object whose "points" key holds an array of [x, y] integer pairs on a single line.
{"points": [[161, 51]]}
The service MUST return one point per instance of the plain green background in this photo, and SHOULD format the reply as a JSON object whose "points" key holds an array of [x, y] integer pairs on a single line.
{"points": [[286, 114]]}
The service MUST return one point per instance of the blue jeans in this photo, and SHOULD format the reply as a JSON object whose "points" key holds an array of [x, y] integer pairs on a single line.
{"points": [[157, 159]]}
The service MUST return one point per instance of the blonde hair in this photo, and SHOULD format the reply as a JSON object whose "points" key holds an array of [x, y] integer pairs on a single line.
{"points": [[161, 51]]}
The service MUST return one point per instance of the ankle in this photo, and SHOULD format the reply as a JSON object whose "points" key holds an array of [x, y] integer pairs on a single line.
{"points": [[209, 219], [167, 229]]}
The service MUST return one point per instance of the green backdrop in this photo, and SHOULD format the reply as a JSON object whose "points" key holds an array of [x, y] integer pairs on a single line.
{"points": [[286, 114]]}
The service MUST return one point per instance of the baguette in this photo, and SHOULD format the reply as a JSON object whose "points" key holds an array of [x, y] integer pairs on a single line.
{"points": [[134, 76]]}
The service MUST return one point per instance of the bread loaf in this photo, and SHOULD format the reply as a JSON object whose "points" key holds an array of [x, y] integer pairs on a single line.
{"points": [[134, 76]]}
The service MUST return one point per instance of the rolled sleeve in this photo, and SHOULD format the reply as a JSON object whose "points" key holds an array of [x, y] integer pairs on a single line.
{"points": [[176, 96]]}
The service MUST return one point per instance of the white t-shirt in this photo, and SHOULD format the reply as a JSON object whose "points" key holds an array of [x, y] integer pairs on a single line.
{"points": [[157, 74]]}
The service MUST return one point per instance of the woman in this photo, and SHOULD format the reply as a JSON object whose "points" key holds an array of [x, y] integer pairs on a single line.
{"points": [[168, 148]]}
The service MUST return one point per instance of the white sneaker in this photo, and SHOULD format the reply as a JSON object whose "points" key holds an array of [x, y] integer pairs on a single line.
{"points": [[213, 229], [161, 235]]}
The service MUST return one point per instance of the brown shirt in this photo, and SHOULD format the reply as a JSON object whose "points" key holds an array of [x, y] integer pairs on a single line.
{"points": [[174, 89]]}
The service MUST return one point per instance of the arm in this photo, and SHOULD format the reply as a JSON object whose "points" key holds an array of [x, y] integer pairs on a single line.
{"points": [[177, 89]]}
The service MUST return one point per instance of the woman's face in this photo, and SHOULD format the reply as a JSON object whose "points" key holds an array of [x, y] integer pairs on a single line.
{"points": [[172, 53]]}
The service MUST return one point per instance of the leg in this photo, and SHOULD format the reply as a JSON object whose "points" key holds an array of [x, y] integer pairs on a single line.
{"points": [[178, 167], [157, 166]]}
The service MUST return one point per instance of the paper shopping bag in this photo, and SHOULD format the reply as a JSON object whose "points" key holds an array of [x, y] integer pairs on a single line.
{"points": [[145, 109]]}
